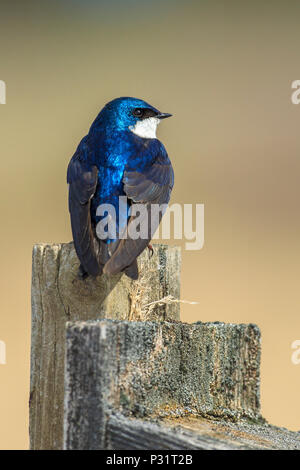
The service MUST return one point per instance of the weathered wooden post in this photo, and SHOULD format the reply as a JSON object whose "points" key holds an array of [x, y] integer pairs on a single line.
{"points": [[157, 370], [162, 385], [112, 367], [58, 296]]}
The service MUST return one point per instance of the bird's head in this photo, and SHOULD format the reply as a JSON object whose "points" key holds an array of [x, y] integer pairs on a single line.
{"points": [[131, 113]]}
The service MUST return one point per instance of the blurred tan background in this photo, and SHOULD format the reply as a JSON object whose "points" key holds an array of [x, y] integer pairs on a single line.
{"points": [[224, 69]]}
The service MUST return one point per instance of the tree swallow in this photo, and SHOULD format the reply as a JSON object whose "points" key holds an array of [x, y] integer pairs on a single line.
{"points": [[119, 160]]}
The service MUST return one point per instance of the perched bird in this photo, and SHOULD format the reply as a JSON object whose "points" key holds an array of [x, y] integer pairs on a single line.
{"points": [[119, 157]]}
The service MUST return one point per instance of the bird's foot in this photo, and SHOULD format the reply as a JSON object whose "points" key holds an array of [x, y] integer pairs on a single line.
{"points": [[151, 250]]}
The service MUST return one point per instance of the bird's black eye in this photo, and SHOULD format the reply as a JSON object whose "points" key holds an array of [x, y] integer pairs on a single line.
{"points": [[137, 112]]}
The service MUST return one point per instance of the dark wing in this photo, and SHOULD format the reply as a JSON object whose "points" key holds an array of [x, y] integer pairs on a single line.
{"points": [[82, 181], [152, 186]]}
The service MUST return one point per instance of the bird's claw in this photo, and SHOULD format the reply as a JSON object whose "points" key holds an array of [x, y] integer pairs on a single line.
{"points": [[151, 250]]}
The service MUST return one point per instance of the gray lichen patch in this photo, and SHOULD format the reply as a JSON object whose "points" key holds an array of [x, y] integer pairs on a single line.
{"points": [[177, 368]]}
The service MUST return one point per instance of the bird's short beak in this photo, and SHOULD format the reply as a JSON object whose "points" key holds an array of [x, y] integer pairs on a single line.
{"points": [[163, 115]]}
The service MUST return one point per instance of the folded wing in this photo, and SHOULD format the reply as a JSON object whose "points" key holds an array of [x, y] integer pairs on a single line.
{"points": [[150, 186]]}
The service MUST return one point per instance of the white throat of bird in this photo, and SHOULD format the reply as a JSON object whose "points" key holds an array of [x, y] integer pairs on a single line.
{"points": [[146, 128]]}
